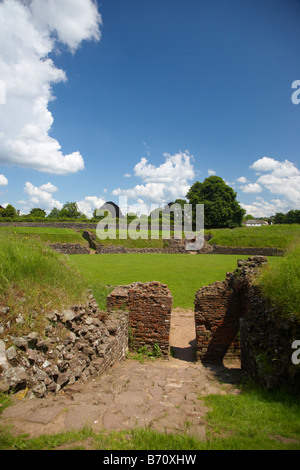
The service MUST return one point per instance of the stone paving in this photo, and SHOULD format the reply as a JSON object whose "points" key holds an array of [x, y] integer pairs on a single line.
{"points": [[162, 395]]}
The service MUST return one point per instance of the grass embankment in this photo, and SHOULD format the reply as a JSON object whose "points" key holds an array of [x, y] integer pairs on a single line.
{"points": [[280, 282], [277, 236], [274, 236], [33, 280], [46, 234], [184, 274], [253, 420]]}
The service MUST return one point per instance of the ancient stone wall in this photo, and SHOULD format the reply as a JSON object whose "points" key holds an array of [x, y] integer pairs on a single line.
{"points": [[149, 305], [217, 323], [233, 319], [77, 343], [218, 309], [70, 248], [248, 251], [266, 344]]}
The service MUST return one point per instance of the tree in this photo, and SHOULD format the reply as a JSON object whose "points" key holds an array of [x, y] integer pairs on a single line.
{"points": [[292, 217], [54, 214], [221, 209], [37, 212], [279, 218], [9, 211], [70, 211]]}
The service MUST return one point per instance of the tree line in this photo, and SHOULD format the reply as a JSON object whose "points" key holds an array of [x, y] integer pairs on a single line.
{"points": [[221, 209]]}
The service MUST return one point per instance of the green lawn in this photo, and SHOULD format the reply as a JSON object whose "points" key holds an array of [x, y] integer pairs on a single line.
{"points": [[47, 234], [184, 274], [278, 236]]}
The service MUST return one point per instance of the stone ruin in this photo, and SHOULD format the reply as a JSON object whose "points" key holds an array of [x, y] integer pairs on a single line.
{"points": [[77, 343], [149, 306], [231, 317], [218, 310]]}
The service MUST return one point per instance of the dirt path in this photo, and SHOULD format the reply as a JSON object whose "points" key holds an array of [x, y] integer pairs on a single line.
{"points": [[162, 395]]}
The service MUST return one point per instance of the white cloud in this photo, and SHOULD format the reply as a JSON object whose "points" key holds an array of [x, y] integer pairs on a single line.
{"points": [[3, 180], [211, 172], [252, 188], [242, 179], [29, 32], [127, 175], [72, 20], [264, 164], [263, 208], [41, 196], [163, 183], [139, 207], [89, 204], [280, 178]]}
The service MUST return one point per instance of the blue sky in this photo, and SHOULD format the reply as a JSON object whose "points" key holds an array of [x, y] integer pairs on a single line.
{"points": [[142, 98]]}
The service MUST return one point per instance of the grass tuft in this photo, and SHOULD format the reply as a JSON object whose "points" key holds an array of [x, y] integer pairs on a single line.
{"points": [[33, 281], [279, 282]]}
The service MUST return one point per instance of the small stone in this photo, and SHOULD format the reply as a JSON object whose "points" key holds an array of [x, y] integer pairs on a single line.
{"points": [[4, 310], [20, 342], [51, 316], [39, 390], [20, 319], [62, 379], [11, 353], [17, 377], [68, 315]]}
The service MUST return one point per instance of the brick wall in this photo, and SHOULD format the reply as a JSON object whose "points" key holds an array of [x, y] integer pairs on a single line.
{"points": [[217, 323], [218, 309], [149, 305]]}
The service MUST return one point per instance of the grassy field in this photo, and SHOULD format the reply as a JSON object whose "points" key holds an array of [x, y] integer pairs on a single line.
{"points": [[184, 274], [46, 234], [278, 236]]}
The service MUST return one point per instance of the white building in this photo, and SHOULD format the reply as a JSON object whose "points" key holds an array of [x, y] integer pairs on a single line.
{"points": [[255, 223]]}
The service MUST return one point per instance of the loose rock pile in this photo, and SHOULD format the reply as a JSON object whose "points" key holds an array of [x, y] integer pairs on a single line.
{"points": [[76, 343]]}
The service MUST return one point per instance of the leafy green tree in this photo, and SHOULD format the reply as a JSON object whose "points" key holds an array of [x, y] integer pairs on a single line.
{"points": [[54, 214], [279, 218], [221, 209], [292, 217], [37, 212], [9, 211], [70, 211]]}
